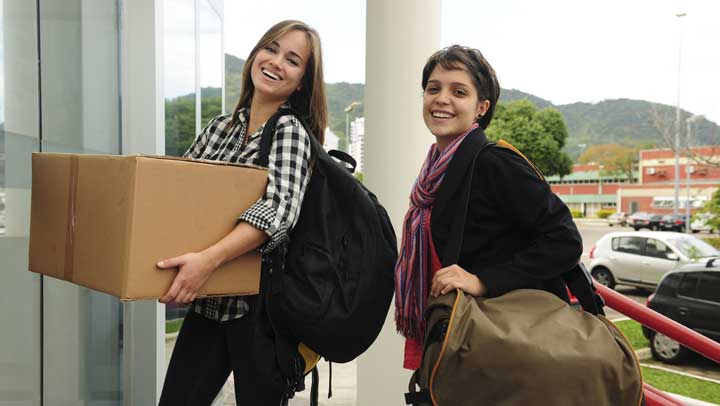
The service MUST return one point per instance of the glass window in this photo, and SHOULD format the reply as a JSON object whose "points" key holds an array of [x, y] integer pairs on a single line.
{"points": [[82, 349], [179, 75], [688, 285], [694, 248], [656, 248], [709, 287], [20, 332], [669, 284], [630, 245], [211, 61]]}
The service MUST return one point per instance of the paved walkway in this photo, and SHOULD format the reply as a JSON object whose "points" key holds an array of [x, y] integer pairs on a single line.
{"points": [[343, 384], [345, 378]]}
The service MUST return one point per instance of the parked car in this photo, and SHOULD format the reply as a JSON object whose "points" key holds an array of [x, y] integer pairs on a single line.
{"points": [[618, 219], [642, 258], [672, 222], [690, 296], [645, 220], [638, 215], [701, 223]]}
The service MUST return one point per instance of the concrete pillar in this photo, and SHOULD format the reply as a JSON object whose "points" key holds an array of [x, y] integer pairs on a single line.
{"points": [[401, 35]]}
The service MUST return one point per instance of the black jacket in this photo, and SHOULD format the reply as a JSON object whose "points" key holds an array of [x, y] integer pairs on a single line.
{"points": [[518, 233]]}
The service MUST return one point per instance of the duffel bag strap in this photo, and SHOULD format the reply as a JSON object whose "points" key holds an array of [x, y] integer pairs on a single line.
{"points": [[455, 239], [413, 396], [581, 285]]}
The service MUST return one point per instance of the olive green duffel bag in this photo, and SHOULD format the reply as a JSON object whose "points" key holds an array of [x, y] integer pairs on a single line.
{"points": [[527, 347]]}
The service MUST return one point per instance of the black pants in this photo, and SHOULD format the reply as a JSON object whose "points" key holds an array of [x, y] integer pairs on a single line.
{"points": [[205, 353]]}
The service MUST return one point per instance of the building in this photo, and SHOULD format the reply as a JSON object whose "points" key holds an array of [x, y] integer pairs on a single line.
{"points": [[331, 140], [699, 178], [589, 188], [356, 142], [87, 77], [653, 188]]}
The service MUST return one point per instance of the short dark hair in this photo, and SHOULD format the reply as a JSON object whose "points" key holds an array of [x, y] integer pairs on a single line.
{"points": [[456, 57]]}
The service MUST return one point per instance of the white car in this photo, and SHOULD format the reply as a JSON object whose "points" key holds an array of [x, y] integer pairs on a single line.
{"points": [[700, 223], [618, 219], [642, 258]]}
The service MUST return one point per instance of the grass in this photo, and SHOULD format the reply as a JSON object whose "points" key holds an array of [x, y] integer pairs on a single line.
{"points": [[173, 326], [714, 241], [668, 381], [633, 332], [682, 385]]}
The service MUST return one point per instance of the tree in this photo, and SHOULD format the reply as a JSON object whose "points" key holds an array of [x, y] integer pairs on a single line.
{"points": [[664, 122], [713, 207], [539, 134], [616, 159]]}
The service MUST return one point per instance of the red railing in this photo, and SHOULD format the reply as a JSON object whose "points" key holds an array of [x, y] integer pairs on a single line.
{"points": [[661, 324]]}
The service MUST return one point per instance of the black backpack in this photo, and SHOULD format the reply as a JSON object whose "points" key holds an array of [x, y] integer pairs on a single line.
{"points": [[332, 283]]}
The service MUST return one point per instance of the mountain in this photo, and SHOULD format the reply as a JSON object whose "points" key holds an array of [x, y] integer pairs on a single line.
{"points": [[339, 95], [508, 95], [636, 123], [233, 78]]}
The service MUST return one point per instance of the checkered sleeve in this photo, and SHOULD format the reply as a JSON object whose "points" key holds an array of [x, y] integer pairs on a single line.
{"points": [[288, 175]]}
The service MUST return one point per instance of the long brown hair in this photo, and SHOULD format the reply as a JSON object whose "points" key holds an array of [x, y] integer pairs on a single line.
{"points": [[310, 100]]}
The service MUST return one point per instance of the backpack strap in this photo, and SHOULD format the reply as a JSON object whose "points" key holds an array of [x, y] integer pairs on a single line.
{"points": [[268, 135], [578, 279]]}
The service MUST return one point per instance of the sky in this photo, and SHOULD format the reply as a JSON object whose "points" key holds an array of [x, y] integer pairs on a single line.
{"points": [[561, 50]]}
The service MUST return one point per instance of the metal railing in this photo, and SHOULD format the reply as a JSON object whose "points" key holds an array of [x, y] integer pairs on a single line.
{"points": [[663, 325]]}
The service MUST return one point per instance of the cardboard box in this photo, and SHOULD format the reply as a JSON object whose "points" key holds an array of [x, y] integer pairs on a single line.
{"points": [[104, 221]]}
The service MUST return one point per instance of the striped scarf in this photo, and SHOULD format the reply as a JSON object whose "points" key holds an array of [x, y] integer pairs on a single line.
{"points": [[411, 270]]}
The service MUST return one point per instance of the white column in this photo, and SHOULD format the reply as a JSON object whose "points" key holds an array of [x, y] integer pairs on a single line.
{"points": [[401, 35], [143, 132]]}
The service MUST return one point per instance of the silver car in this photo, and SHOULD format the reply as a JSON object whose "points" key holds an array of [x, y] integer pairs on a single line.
{"points": [[642, 258]]}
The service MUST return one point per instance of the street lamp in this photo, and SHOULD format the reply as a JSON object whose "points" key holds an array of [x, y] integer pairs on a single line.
{"points": [[677, 122], [349, 109], [688, 133]]}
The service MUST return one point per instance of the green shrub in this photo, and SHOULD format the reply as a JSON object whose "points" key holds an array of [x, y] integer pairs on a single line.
{"points": [[605, 213], [577, 214]]}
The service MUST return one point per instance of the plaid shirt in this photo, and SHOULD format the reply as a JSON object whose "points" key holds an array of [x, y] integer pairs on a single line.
{"points": [[276, 212]]}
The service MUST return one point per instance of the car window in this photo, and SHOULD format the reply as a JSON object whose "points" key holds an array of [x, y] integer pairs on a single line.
{"points": [[630, 245], [656, 248], [669, 284], [692, 247], [709, 287], [688, 285]]}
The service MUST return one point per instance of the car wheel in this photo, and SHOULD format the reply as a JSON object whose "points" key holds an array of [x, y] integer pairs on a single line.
{"points": [[603, 276], [667, 350], [695, 231]]}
